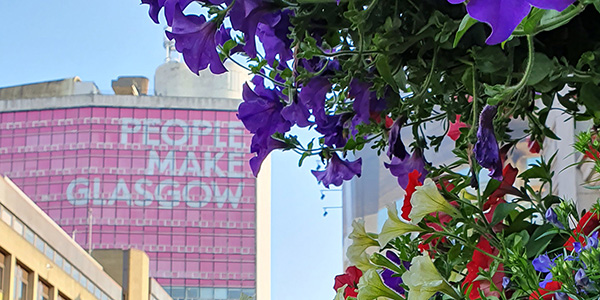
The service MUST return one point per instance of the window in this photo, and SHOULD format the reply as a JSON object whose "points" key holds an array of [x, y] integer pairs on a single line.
{"points": [[62, 297], [43, 291], [21, 282], [2, 259]]}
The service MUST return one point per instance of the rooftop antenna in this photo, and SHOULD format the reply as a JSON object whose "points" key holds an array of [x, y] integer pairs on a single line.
{"points": [[171, 52]]}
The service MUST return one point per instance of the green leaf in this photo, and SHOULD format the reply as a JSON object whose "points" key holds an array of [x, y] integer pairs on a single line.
{"points": [[304, 156], [383, 67], [465, 24], [542, 66], [539, 240], [492, 185], [530, 22], [590, 96], [502, 210], [382, 261]]}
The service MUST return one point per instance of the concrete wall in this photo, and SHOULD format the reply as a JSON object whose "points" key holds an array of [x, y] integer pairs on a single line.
{"points": [[176, 80], [131, 269]]}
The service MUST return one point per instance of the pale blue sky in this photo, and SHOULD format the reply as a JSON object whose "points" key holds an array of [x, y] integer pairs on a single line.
{"points": [[100, 40]]}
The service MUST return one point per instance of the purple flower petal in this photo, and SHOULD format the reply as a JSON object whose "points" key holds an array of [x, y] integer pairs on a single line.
{"points": [[546, 280], [245, 16], [172, 7], [195, 39], [338, 170], [313, 95], [581, 280], [262, 150], [392, 280], [332, 128], [362, 100], [593, 240], [261, 111], [502, 15], [274, 38], [552, 218], [154, 9], [297, 114], [577, 247], [396, 147], [402, 167], [505, 282], [543, 263], [558, 5], [486, 149]]}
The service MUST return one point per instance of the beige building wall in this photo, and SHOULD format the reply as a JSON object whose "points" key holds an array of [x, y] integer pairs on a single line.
{"points": [[263, 231], [29, 239], [130, 268], [25, 230]]}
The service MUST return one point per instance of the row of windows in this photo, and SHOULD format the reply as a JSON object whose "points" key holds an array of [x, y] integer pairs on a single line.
{"points": [[34, 239], [28, 142], [86, 115], [202, 293], [22, 280]]}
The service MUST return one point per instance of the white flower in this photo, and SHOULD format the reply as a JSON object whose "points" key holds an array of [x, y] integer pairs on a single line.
{"points": [[371, 287], [394, 227], [424, 280], [361, 240], [427, 199]]}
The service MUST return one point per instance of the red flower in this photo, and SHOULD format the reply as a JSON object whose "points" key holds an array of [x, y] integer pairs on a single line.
{"points": [[592, 154], [586, 225], [350, 278], [413, 182], [534, 146], [454, 130], [482, 261], [547, 293], [388, 122]]}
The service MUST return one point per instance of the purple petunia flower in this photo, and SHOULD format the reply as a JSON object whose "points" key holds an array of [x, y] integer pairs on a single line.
{"points": [[261, 114], [391, 278], [552, 218], [297, 114], [402, 167], [396, 147], [313, 95], [172, 7], [195, 39], [363, 97], [262, 150], [332, 127], [486, 148], [504, 15], [338, 170], [274, 37], [154, 9], [261, 111], [245, 16]]}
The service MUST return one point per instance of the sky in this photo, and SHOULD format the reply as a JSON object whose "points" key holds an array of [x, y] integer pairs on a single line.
{"points": [[98, 41]]}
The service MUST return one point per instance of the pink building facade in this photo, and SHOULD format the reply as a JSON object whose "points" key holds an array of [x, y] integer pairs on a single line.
{"points": [[172, 182]]}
